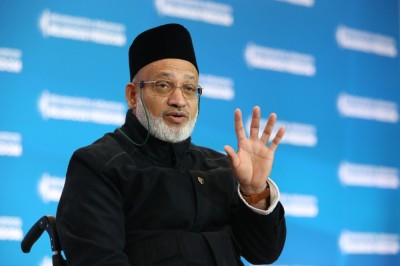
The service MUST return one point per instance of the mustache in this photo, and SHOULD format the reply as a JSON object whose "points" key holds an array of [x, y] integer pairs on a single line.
{"points": [[176, 112]]}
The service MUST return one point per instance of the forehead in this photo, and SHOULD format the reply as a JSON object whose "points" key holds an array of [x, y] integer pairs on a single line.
{"points": [[170, 69]]}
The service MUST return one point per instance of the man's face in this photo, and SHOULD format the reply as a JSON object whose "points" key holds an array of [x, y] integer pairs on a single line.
{"points": [[172, 118]]}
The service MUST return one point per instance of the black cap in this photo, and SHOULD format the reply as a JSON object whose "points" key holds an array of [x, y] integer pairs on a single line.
{"points": [[166, 41]]}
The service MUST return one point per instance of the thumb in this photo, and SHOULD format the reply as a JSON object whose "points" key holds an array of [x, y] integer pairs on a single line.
{"points": [[233, 158]]}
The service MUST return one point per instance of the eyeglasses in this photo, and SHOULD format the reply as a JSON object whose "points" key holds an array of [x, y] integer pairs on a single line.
{"points": [[166, 87]]}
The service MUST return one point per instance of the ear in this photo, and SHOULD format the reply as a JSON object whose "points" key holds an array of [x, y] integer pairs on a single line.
{"points": [[131, 94]]}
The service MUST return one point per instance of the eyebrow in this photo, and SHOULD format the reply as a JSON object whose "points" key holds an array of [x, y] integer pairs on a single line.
{"points": [[167, 74]]}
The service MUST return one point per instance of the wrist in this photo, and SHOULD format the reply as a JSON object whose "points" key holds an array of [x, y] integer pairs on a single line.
{"points": [[257, 198]]}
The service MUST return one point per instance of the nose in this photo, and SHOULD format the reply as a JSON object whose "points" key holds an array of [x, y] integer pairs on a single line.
{"points": [[176, 98]]}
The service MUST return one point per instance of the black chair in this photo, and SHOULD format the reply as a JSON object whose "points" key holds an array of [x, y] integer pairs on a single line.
{"points": [[47, 223]]}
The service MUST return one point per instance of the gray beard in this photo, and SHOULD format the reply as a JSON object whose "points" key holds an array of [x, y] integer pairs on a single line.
{"points": [[162, 131]]}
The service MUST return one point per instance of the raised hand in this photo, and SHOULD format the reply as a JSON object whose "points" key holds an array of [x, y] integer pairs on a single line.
{"points": [[252, 163]]}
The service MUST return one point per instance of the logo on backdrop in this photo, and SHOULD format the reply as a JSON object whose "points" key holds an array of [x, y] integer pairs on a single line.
{"points": [[306, 3], [351, 174], [84, 29], [364, 41], [217, 87], [367, 108], [300, 205], [10, 144], [279, 60], [50, 187], [10, 60], [11, 228], [55, 106], [204, 11], [369, 243], [46, 261], [296, 134]]}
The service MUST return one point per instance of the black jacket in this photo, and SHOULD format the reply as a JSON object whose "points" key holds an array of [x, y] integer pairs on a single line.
{"points": [[159, 204]]}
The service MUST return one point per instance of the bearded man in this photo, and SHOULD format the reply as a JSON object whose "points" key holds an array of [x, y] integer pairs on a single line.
{"points": [[146, 195]]}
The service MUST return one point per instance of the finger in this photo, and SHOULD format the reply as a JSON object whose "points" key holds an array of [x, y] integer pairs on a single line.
{"points": [[239, 128], [231, 155], [278, 137], [255, 123], [268, 128]]}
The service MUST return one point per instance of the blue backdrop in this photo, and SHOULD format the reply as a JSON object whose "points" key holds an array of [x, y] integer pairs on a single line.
{"points": [[329, 69]]}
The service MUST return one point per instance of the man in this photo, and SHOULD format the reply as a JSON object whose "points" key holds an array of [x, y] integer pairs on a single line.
{"points": [[146, 195]]}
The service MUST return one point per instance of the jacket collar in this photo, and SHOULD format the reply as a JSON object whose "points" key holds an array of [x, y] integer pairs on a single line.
{"points": [[161, 152]]}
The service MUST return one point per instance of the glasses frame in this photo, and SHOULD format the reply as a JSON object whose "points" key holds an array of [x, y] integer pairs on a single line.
{"points": [[199, 89]]}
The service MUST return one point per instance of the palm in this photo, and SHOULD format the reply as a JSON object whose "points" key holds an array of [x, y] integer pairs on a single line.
{"points": [[252, 164]]}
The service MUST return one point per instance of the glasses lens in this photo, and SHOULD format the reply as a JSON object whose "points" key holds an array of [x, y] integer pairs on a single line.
{"points": [[163, 87], [189, 90]]}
